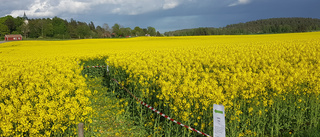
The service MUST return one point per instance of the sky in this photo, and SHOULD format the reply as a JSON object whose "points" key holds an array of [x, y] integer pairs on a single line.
{"points": [[164, 15]]}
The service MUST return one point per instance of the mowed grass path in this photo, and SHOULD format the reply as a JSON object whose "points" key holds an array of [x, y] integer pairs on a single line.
{"points": [[110, 117]]}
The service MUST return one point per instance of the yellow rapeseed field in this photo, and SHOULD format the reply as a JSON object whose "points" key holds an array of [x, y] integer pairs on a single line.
{"points": [[269, 84]]}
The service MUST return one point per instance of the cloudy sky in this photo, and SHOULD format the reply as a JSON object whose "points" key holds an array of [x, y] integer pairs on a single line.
{"points": [[164, 15]]}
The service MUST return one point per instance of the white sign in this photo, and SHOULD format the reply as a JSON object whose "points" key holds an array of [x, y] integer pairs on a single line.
{"points": [[107, 66], [219, 124]]}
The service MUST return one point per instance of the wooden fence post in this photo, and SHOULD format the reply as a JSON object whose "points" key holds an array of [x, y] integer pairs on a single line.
{"points": [[80, 130]]}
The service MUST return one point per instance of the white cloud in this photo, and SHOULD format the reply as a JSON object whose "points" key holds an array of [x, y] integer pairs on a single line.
{"points": [[240, 2], [169, 4], [134, 7], [72, 6], [49, 8]]}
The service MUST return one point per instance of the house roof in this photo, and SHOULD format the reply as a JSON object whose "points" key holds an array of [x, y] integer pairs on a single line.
{"points": [[13, 35]]}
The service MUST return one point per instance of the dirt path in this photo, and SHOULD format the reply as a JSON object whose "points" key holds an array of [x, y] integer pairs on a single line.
{"points": [[2, 42]]}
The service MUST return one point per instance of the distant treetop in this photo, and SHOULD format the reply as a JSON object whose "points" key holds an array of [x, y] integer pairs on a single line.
{"points": [[263, 26]]}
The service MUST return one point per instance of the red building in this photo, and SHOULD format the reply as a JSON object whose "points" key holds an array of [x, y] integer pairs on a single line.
{"points": [[12, 37]]}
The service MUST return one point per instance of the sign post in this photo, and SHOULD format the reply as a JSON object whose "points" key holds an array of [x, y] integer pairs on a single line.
{"points": [[219, 124]]}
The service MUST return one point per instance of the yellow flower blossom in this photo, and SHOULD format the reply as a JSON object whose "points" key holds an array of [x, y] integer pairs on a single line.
{"points": [[43, 91]]}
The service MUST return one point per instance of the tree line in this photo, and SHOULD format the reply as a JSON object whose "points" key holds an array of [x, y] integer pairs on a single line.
{"points": [[272, 25], [63, 29]]}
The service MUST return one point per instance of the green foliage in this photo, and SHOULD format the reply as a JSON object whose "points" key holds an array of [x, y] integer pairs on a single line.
{"points": [[116, 30], [59, 26], [158, 33], [152, 31], [94, 72], [137, 31], [110, 117], [10, 25], [273, 25], [62, 29], [83, 30], [3, 30], [119, 31]]}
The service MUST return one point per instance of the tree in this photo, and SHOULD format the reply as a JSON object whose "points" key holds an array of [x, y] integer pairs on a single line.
{"points": [[152, 31], [41, 25], [137, 31], [3, 30], [100, 32], [145, 31], [72, 27], [25, 29], [107, 30], [116, 29], [34, 28], [10, 23], [125, 31], [18, 22], [59, 27], [106, 27], [158, 33], [91, 26], [48, 28], [93, 32], [273, 25], [83, 30]]}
